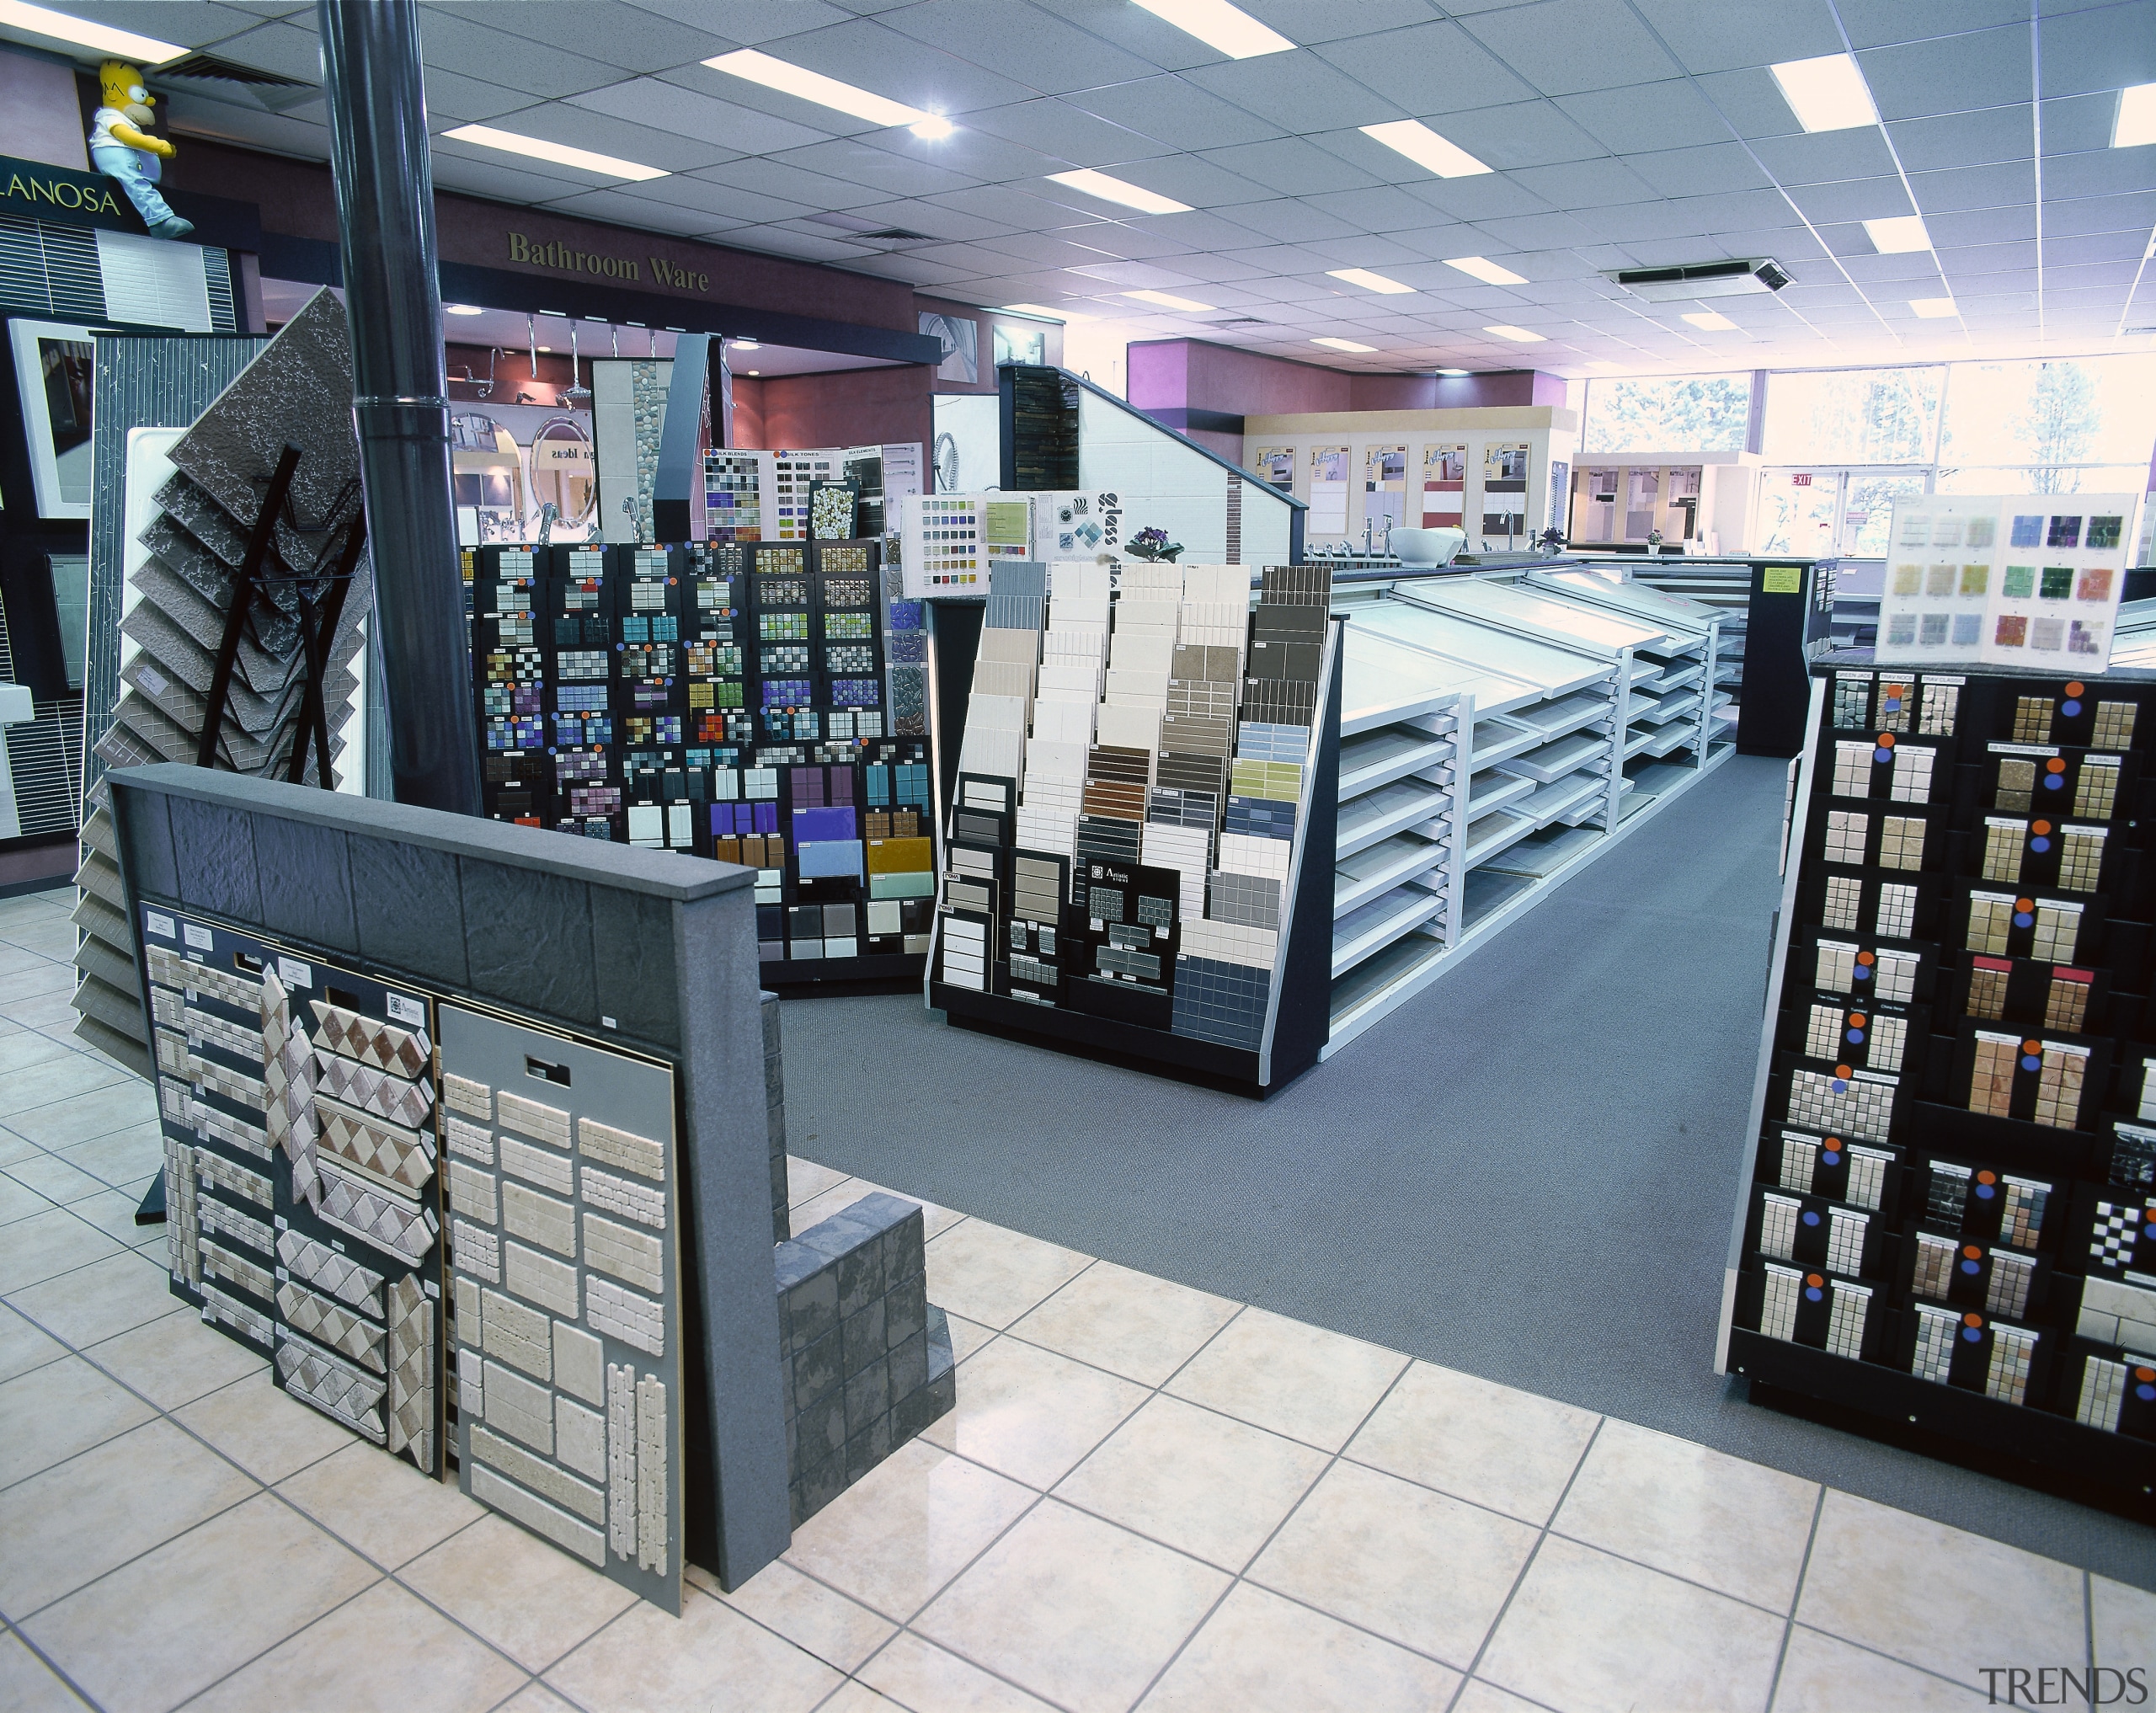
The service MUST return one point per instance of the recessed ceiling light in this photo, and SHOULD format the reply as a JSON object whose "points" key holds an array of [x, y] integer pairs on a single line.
{"points": [[1044, 312], [1712, 320], [2136, 123], [1425, 148], [932, 128], [756, 372], [1343, 345], [1932, 308], [1455, 372], [142, 50], [1168, 300], [545, 348], [1827, 93], [1518, 335], [747, 344], [1367, 280], [1112, 190], [561, 154], [1899, 236], [1229, 28], [461, 309], [1482, 267], [827, 92]]}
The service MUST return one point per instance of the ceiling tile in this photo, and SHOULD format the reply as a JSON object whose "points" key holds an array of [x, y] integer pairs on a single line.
{"points": [[1825, 157], [1174, 111], [2132, 213], [1852, 198], [168, 20], [457, 167], [2074, 124], [189, 116], [974, 156], [1290, 220], [1965, 188], [1429, 68], [857, 161], [2097, 173], [1532, 232], [749, 22], [1983, 226], [607, 32], [1132, 28], [1291, 166], [1202, 182], [805, 247], [1288, 89], [2096, 247], [1564, 46], [1584, 183], [871, 55], [1731, 34], [1711, 170], [1673, 114], [1017, 209], [1070, 134], [644, 212], [728, 202], [1878, 22], [289, 49], [794, 184], [1988, 138], [1750, 102], [1951, 74], [579, 126], [1488, 195], [1029, 47], [1639, 222], [2100, 50]]}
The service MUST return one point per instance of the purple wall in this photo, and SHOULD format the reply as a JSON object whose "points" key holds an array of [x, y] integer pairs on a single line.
{"points": [[1205, 389]]}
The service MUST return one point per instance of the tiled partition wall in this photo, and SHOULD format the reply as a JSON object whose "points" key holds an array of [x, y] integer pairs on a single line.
{"points": [[470, 1132], [1142, 770], [1946, 1218]]}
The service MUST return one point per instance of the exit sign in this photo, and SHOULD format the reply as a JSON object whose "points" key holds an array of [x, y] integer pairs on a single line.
{"points": [[1800, 481]]}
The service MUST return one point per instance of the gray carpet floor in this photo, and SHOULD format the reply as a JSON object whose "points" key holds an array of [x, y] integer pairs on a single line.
{"points": [[1527, 1172]]}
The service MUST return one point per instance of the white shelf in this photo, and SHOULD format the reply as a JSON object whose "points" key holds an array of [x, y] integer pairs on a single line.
{"points": [[1676, 707], [1554, 760], [1375, 758], [1380, 813], [1637, 741], [1500, 738], [1556, 799], [1371, 927], [1488, 835], [1492, 790], [1568, 713], [1361, 877]]}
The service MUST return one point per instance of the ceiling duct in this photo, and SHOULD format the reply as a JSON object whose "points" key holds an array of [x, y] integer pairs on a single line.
{"points": [[1743, 279]]}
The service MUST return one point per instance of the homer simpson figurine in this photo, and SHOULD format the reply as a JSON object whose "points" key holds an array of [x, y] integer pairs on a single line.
{"points": [[131, 155]]}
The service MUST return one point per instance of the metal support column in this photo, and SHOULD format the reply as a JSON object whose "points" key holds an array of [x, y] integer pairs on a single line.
{"points": [[386, 217]]}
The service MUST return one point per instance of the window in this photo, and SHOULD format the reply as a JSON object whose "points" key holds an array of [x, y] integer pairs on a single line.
{"points": [[1854, 416], [1690, 414], [2048, 427]]}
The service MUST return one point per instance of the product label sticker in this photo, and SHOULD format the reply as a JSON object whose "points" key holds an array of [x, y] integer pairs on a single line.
{"points": [[1783, 579], [200, 937], [294, 973], [402, 1010], [158, 923]]}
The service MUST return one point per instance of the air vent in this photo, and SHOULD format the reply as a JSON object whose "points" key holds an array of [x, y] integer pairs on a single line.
{"points": [[1734, 279], [209, 66], [893, 235], [1240, 320]]}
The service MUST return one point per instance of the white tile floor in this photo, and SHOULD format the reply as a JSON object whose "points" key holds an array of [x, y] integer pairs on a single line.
{"points": [[1147, 1497]]}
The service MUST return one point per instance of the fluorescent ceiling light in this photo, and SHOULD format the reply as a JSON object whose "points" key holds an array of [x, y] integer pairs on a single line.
{"points": [[1042, 310], [1425, 148], [1168, 300], [1229, 28], [1899, 236], [1518, 335], [747, 344], [1367, 280], [1483, 268], [1110, 189], [1713, 320], [1827, 93], [1934, 308], [538, 149], [1455, 372], [461, 309], [1343, 344], [828, 92], [2135, 125], [124, 44]]}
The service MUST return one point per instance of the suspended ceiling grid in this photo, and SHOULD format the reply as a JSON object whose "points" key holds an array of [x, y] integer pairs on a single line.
{"points": [[1622, 133]]}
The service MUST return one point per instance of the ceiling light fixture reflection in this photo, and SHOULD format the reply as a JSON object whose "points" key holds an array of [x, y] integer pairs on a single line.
{"points": [[1455, 373], [461, 309], [1714, 321], [1901, 235], [561, 154], [2135, 123], [1368, 281], [1518, 335], [1483, 268], [1168, 300], [1412, 138], [1342, 345], [1827, 93], [1934, 308], [1046, 313], [746, 63], [1118, 190], [1228, 28], [142, 50]]}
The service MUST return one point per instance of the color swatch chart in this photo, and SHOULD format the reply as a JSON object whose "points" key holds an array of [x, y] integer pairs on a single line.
{"points": [[762, 704], [2028, 582], [1133, 778], [1957, 1165]]}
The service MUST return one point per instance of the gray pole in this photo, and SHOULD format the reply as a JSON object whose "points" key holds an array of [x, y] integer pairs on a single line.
{"points": [[385, 216]]}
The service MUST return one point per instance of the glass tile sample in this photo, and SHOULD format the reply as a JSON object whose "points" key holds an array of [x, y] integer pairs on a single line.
{"points": [[1946, 1196]]}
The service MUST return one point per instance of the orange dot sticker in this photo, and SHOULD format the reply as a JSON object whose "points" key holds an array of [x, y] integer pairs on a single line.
{"points": [[1987, 1178], [1843, 1072], [1973, 1319], [1835, 1145], [2032, 1046], [2024, 904], [1814, 1280], [1867, 959], [1885, 741], [1856, 1020], [2074, 686], [2054, 765], [2145, 1374], [1971, 1252], [2041, 828]]}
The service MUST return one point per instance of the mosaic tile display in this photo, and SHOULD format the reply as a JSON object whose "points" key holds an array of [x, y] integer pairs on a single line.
{"points": [[1969, 1072]]}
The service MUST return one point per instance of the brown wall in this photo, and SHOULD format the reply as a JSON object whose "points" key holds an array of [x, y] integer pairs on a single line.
{"points": [[848, 408], [747, 413], [1187, 380], [41, 119]]}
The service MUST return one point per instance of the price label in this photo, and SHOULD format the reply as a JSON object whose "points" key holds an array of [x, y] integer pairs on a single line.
{"points": [[294, 973], [158, 923], [402, 1010], [200, 938]]}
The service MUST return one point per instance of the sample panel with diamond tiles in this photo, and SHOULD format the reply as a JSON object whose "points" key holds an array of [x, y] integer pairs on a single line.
{"points": [[1952, 1174]]}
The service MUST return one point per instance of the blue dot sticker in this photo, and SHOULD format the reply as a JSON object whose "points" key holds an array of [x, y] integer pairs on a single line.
{"points": [[1811, 1217], [2146, 1394], [1882, 757], [1831, 1159], [1863, 973], [1856, 1037], [2054, 781], [2069, 708], [2031, 1062], [1893, 704], [2022, 919], [1839, 1086], [1973, 1267], [1985, 1191], [1812, 1293], [1973, 1334], [2039, 844]]}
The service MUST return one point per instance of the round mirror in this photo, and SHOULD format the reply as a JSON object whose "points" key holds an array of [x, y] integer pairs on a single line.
{"points": [[564, 471]]}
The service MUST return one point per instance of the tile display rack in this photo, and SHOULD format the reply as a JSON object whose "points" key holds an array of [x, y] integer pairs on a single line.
{"points": [[762, 703], [1950, 1174], [1495, 734], [1148, 779]]}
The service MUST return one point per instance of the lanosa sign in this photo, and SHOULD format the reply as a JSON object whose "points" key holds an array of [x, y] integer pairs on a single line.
{"points": [[60, 194]]}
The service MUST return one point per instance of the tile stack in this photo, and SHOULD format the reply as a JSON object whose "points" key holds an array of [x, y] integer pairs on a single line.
{"points": [[297, 390], [1135, 753]]}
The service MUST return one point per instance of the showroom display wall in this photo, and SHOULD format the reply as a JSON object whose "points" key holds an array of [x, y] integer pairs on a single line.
{"points": [[763, 704], [1946, 1198], [468, 1132]]}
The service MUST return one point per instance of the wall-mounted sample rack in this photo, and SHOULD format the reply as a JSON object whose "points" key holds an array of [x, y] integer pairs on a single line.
{"points": [[1144, 801], [1948, 1183], [1580, 715]]}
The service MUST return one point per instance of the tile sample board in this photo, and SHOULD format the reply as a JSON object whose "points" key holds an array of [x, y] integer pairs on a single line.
{"points": [[565, 1278], [296, 1099], [2026, 582], [1950, 1166]]}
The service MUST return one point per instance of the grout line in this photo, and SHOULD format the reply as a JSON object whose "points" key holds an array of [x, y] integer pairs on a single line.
{"points": [[46, 1660], [263, 1653], [1526, 1566], [1892, 1658], [1796, 1598]]}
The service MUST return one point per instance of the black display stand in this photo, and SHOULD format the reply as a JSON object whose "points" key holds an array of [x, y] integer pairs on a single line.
{"points": [[1301, 1006], [1787, 617]]}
